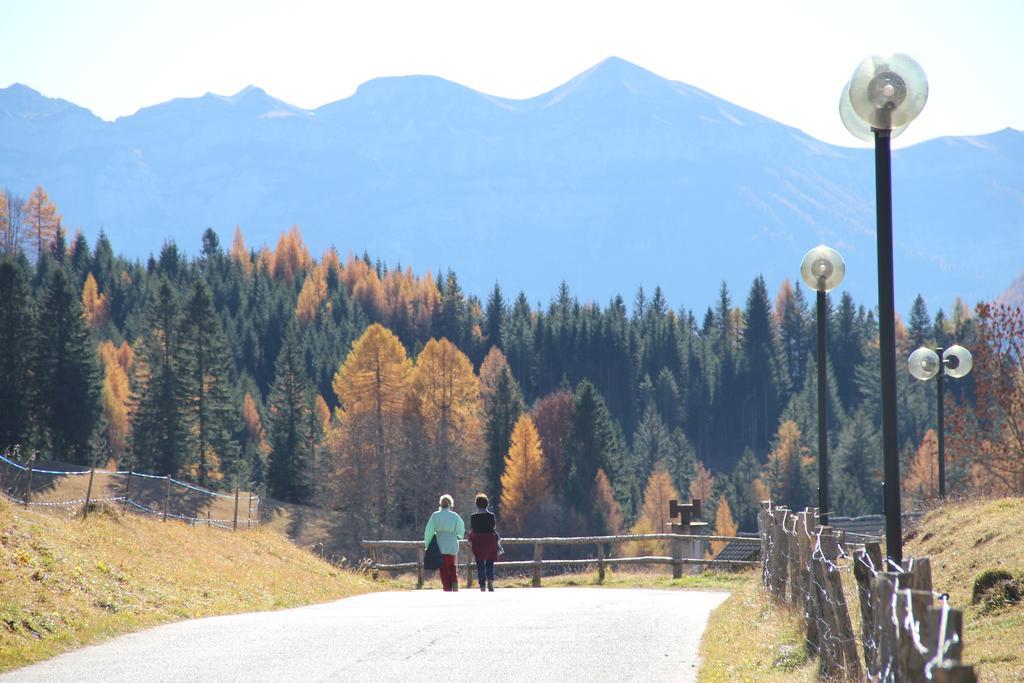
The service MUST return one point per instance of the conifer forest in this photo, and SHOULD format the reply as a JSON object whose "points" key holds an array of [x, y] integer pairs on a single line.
{"points": [[368, 389]]}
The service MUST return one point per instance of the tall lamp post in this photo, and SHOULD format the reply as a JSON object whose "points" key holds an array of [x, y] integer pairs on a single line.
{"points": [[822, 269], [924, 364], [885, 93]]}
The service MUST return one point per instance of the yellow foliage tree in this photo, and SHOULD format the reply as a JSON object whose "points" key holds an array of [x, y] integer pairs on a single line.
{"points": [[444, 397], [702, 483], [524, 483], [314, 290], [290, 257], [606, 508], [253, 425], [41, 220], [371, 387], [116, 395], [239, 254], [94, 304], [490, 369], [725, 525], [921, 481], [783, 470], [654, 512]]}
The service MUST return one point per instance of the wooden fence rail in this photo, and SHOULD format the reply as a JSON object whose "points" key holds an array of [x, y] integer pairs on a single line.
{"points": [[687, 550], [904, 636]]}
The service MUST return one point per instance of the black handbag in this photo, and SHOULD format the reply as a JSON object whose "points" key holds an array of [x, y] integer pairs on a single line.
{"points": [[432, 556]]}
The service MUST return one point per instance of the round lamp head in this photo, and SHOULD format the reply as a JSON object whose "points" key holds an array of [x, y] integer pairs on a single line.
{"points": [[924, 364], [957, 360], [888, 91], [822, 268], [855, 124]]}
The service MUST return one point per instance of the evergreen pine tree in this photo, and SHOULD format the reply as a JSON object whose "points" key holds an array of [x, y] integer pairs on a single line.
{"points": [[16, 346], [161, 428], [212, 406], [289, 419], [65, 376], [856, 465], [502, 410]]}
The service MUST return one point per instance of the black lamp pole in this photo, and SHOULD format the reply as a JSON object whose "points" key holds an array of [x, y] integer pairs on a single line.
{"points": [[942, 428], [822, 415], [887, 345]]}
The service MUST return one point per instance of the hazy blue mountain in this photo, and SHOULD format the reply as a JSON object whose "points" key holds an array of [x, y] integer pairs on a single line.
{"points": [[617, 178]]}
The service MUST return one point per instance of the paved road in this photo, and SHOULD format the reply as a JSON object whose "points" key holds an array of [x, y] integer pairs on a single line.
{"points": [[545, 634]]}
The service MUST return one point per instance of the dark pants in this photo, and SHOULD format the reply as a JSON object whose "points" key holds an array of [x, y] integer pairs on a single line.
{"points": [[449, 573], [483, 566]]}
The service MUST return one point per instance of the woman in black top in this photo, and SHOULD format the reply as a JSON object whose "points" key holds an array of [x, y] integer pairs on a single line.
{"points": [[484, 541]]}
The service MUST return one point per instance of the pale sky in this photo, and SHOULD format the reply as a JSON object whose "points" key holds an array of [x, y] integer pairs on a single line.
{"points": [[786, 60]]}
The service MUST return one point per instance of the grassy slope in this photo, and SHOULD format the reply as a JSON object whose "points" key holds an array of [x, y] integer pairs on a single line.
{"points": [[748, 639], [65, 583]]}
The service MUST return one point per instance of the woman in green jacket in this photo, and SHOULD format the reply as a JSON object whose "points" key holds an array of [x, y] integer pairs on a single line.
{"points": [[448, 526]]}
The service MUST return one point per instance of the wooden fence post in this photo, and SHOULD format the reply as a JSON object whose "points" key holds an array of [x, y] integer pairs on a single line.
{"points": [[470, 563], [167, 496], [88, 493], [779, 545], [127, 489], [600, 562], [913, 598], [793, 556], [28, 491], [234, 522], [538, 555], [805, 523], [865, 563], [764, 531], [419, 566], [248, 510], [886, 631], [373, 563], [677, 554], [837, 650], [945, 638]]}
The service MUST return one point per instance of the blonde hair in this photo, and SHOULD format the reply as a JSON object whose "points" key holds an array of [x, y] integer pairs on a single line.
{"points": [[446, 501]]}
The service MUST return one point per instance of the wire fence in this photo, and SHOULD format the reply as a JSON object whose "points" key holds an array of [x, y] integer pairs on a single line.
{"points": [[55, 485], [904, 634]]}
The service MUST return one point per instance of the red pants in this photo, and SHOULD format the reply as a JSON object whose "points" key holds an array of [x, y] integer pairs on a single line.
{"points": [[449, 573]]}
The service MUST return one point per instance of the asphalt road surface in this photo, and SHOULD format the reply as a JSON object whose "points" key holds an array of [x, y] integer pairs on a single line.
{"points": [[523, 634]]}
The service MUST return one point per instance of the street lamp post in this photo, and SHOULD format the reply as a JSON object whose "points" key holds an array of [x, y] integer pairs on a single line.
{"points": [[885, 93], [822, 269], [924, 364]]}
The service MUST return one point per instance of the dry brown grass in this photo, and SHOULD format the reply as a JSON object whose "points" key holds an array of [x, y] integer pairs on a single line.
{"points": [[964, 540], [749, 639], [65, 582]]}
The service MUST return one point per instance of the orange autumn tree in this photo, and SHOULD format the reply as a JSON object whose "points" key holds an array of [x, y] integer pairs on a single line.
{"points": [[41, 220], [725, 525], [371, 386], [447, 450], [290, 257], [253, 426], [702, 483], [606, 508], [783, 471], [117, 365], [653, 514], [524, 483], [314, 291], [94, 304], [921, 481], [239, 254]]}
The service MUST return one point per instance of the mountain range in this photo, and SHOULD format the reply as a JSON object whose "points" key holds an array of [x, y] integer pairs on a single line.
{"points": [[615, 179]]}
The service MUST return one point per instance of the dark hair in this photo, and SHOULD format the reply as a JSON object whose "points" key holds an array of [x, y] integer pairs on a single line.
{"points": [[481, 501]]}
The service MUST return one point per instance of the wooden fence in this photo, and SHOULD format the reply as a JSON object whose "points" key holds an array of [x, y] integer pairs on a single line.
{"points": [[687, 549], [904, 635]]}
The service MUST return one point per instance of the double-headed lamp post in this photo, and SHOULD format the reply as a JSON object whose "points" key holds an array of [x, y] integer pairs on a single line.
{"points": [[822, 269], [924, 364], [885, 93]]}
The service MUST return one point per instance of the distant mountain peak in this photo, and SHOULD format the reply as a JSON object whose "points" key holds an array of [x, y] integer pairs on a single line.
{"points": [[22, 101]]}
